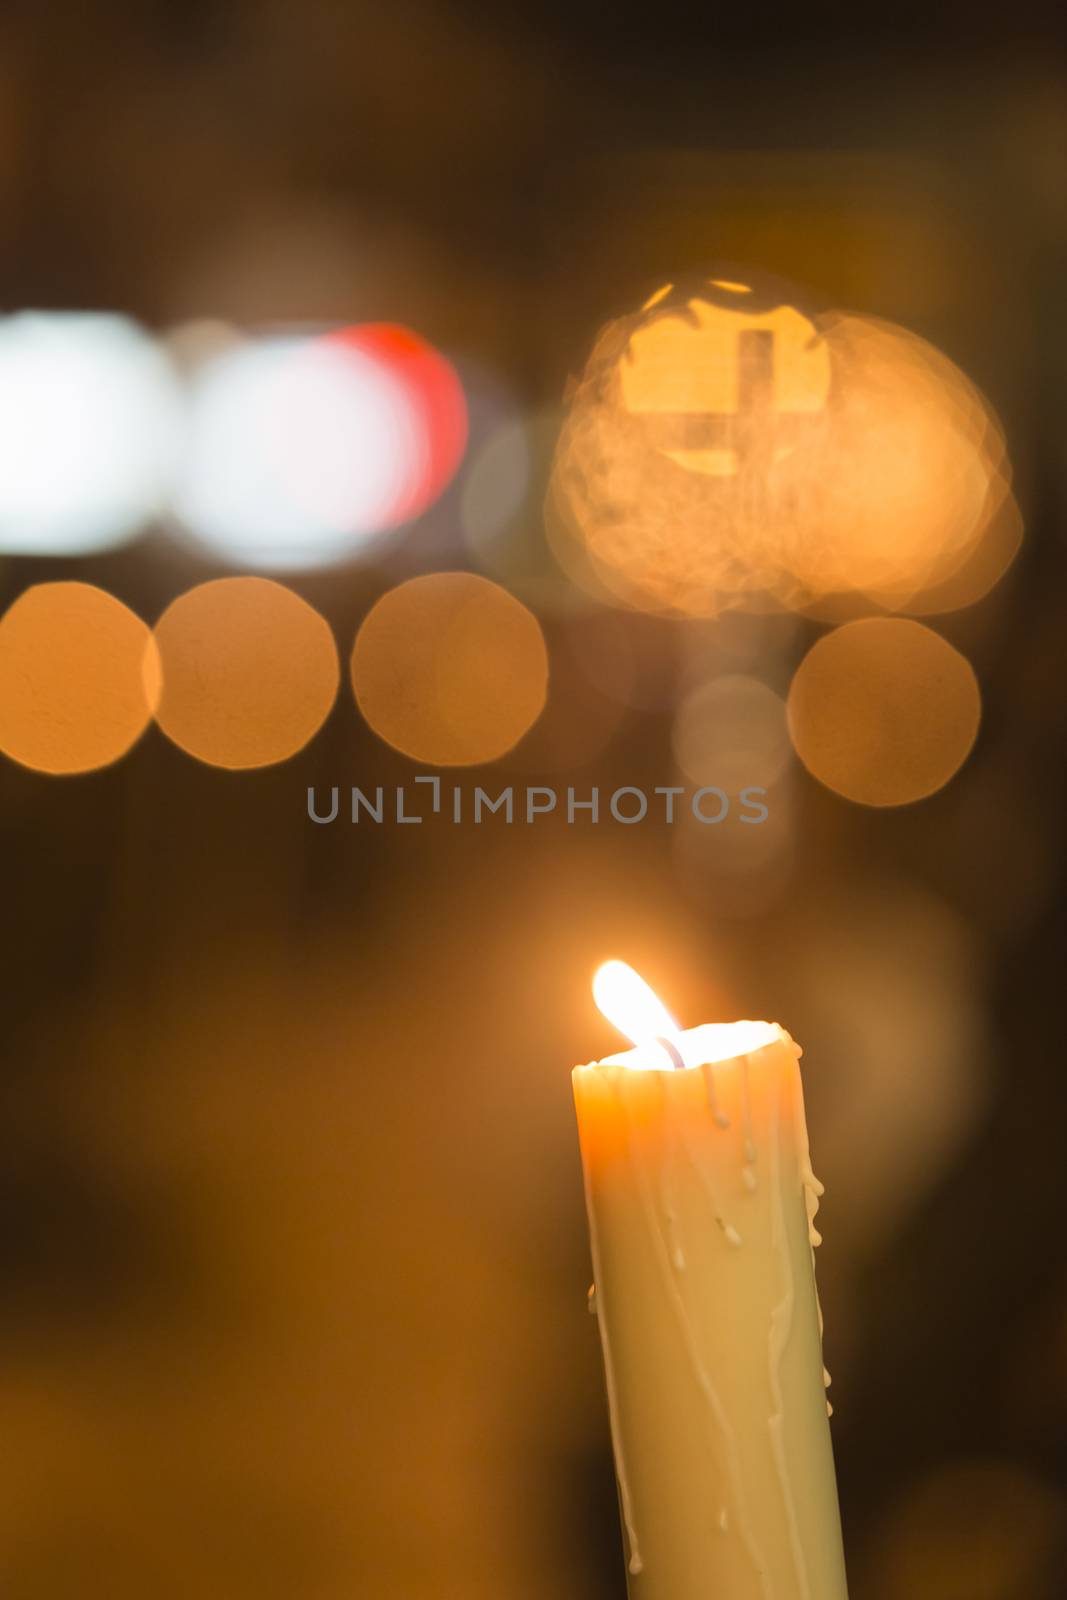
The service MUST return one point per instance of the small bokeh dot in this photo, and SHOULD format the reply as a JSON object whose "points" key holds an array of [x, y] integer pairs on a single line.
{"points": [[732, 732]]}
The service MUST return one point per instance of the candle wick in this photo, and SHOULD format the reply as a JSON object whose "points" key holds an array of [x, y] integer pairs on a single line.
{"points": [[674, 1053]]}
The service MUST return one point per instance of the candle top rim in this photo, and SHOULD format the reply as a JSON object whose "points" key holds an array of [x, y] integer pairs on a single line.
{"points": [[710, 1044]]}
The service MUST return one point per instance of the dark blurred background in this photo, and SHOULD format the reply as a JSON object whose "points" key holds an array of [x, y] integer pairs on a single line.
{"points": [[292, 1245]]}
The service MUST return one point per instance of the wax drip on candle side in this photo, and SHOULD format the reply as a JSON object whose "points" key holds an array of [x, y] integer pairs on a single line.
{"points": [[748, 1171], [782, 1316], [677, 1254], [729, 1232], [688, 1334], [720, 1118], [813, 1192], [781, 1323], [634, 1563]]}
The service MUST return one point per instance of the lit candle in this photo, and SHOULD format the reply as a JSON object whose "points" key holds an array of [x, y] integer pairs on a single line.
{"points": [[701, 1204]]}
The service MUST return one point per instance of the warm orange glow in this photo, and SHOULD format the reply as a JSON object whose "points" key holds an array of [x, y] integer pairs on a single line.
{"points": [[250, 672], [450, 669], [884, 711], [912, 486], [75, 678], [713, 370], [723, 452], [996, 543], [662, 481], [632, 1006]]}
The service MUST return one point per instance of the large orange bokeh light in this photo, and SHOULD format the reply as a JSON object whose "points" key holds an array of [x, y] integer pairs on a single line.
{"points": [[77, 677], [725, 448], [884, 711], [450, 669], [249, 672]]}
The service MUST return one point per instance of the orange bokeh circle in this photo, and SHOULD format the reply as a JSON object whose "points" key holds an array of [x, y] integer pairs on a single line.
{"points": [[249, 672], [450, 669], [76, 676], [884, 711]]}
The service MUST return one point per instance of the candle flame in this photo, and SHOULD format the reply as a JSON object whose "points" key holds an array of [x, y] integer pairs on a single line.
{"points": [[637, 1011], [631, 1005]]}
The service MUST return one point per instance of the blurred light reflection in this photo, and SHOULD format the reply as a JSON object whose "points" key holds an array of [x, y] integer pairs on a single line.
{"points": [[434, 396], [884, 711], [450, 669], [726, 451], [89, 424], [249, 672], [78, 678], [301, 449]]}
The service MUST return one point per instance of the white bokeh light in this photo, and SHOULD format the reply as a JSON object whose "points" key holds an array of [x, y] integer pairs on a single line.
{"points": [[89, 418], [297, 453]]}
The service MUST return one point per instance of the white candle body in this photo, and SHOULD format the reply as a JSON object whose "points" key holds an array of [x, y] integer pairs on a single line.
{"points": [[701, 1199]]}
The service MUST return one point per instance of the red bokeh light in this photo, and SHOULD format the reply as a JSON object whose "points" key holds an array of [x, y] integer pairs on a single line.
{"points": [[435, 396]]}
